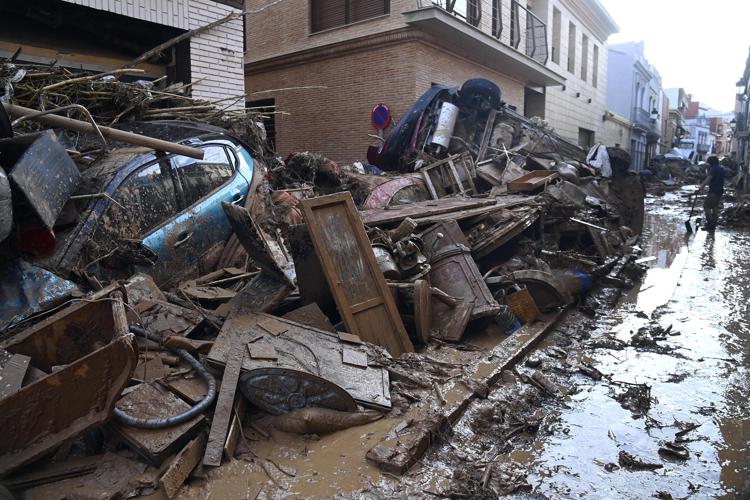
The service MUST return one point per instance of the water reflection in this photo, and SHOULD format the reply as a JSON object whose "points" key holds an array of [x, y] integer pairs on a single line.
{"points": [[701, 287]]}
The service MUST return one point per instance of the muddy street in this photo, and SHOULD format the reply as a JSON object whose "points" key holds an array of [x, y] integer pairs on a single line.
{"points": [[700, 379]]}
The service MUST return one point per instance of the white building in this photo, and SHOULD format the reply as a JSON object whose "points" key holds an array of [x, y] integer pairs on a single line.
{"points": [[103, 35], [578, 32], [634, 91]]}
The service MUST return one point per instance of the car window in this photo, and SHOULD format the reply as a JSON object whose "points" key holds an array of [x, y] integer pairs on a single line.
{"points": [[144, 200], [200, 177]]}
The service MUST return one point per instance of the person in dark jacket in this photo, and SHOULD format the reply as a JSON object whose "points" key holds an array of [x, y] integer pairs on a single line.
{"points": [[715, 183]]}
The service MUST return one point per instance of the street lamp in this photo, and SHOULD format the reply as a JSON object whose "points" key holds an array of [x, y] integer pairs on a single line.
{"points": [[740, 90], [733, 124]]}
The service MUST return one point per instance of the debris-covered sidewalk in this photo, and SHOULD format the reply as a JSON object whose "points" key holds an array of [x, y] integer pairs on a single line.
{"points": [[181, 306]]}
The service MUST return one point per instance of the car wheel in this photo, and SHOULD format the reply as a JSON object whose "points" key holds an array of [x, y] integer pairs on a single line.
{"points": [[480, 93]]}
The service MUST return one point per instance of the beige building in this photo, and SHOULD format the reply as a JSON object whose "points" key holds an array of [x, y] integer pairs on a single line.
{"points": [[615, 130], [578, 32]]}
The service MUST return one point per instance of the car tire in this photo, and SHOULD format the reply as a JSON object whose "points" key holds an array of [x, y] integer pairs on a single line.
{"points": [[480, 93]]}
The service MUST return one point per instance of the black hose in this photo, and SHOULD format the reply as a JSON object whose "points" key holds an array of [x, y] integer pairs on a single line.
{"points": [[161, 423]]}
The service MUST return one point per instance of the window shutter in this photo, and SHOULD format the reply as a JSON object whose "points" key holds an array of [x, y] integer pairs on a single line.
{"points": [[365, 9], [327, 14]]}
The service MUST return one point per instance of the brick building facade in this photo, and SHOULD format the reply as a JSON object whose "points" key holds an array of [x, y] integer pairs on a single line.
{"points": [[325, 69], [331, 79]]}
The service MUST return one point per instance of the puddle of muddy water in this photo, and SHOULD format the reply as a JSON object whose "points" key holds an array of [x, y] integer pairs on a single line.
{"points": [[701, 287]]}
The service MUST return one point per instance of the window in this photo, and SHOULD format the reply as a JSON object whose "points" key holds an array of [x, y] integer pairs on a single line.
{"points": [[474, 12], [585, 138], [584, 58], [497, 18], [571, 48], [200, 177], [556, 24], [327, 14], [595, 67], [515, 25], [145, 200]]}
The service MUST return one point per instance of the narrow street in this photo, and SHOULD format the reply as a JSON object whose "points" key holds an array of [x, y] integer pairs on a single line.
{"points": [[700, 377]]}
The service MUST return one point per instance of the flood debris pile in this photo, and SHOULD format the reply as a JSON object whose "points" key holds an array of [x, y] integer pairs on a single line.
{"points": [[404, 287], [120, 97]]}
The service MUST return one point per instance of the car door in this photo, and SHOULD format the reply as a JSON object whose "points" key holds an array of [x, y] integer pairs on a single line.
{"points": [[146, 206], [204, 185]]}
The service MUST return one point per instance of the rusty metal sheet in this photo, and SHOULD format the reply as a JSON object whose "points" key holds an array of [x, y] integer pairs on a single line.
{"points": [[91, 343], [359, 289], [42, 171], [307, 349]]}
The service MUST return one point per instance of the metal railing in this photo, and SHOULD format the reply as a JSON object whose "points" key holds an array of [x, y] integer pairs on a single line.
{"points": [[642, 118], [742, 122], [518, 28]]}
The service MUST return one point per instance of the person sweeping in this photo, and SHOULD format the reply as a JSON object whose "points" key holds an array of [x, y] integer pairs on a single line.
{"points": [[715, 183]]}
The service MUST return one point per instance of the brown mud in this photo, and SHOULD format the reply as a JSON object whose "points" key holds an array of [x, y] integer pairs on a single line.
{"points": [[645, 398]]}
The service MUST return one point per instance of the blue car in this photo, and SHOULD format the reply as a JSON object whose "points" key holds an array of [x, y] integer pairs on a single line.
{"points": [[160, 214]]}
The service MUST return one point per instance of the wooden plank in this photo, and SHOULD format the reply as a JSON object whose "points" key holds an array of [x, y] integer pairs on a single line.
{"points": [[224, 406], [182, 465], [420, 209], [155, 445], [487, 135], [414, 432], [429, 184], [235, 430], [352, 272], [311, 315]]}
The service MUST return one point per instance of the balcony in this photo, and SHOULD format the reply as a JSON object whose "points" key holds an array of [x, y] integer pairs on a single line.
{"points": [[742, 122], [512, 40], [642, 119], [703, 148]]}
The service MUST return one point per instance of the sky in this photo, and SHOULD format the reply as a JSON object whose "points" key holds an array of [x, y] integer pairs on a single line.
{"points": [[698, 45]]}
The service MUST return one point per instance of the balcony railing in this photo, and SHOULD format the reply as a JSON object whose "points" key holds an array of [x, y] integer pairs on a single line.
{"points": [[516, 27], [702, 148], [642, 118], [742, 122]]}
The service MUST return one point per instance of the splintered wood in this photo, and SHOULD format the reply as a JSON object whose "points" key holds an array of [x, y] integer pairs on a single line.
{"points": [[224, 407]]}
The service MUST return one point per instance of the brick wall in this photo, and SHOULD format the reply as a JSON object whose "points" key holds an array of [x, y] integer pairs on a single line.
{"points": [[335, 121], [216, 57]]}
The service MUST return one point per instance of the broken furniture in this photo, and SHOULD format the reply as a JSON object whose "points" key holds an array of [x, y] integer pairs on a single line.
{"points": [[356, 282], [84, 346], [443, 178]]}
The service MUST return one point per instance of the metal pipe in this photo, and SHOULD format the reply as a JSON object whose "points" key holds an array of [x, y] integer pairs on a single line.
{"points": [[79, 107], [161, 423], [112, 133]]}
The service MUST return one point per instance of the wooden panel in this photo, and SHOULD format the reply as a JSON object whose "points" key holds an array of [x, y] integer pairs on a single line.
{"points": [[352, 273], [224, 407], [377, 216]]}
